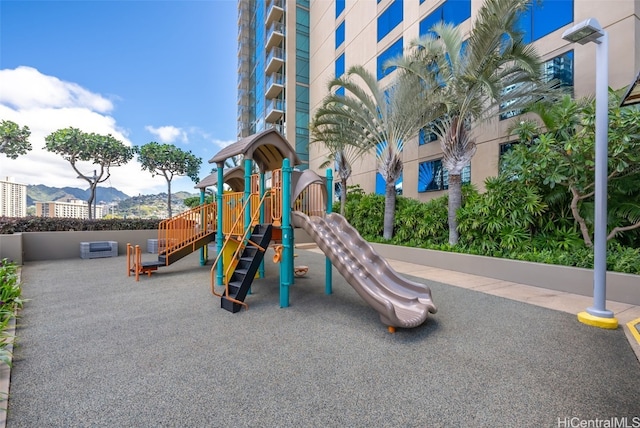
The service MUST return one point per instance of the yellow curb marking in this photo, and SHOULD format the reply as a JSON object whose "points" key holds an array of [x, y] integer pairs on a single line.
{"points": [[633, 327], [608, 323]]}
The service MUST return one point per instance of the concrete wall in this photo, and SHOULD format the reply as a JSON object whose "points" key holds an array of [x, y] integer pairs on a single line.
{"points": [[620, 287], [11, 247], [33, 246]]}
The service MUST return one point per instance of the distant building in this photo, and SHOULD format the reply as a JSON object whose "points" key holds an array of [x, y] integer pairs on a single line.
{"points": [[72, 208], [13, 198]]}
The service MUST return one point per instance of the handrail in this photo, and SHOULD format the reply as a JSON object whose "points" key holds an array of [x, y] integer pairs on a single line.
{"points": [[311, 200], [185, 228], [241, 246], [276, 201]]}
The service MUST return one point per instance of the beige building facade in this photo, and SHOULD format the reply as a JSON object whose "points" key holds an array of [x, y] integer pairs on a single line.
{"points": [[346, 32]]}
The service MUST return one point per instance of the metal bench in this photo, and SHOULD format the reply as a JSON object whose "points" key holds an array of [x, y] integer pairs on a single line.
{"points": [[96, 249]]}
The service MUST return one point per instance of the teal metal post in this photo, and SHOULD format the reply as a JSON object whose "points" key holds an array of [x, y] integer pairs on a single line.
{"points": [[286, 273], [203, 250], [219, 235], [262, 192], [328, 284], [247, 196], [247, 193]]}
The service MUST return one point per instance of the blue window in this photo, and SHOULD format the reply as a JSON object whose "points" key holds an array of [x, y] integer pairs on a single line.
{"points": [[426, 136], [339, 70], [339, 64], [392, 51], [433, 176], [339, 7], [340, 34], [389, 19], [381, 185], [456, 11], [544, 18], [452, 11], [559, 68]]}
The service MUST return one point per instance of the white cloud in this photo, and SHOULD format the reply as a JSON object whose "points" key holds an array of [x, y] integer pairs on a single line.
{"points": [[45, 104], [27, 88], [168, 134]]}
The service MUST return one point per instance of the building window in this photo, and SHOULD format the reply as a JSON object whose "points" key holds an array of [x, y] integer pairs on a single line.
{"points": [[339, 66], [381, 185], [390, 18], [432, 176], [559, 68], [340, 35], [454, 12], [339, 7], [427, 134], [391, 52], [339, 71], [544, 18], [505, 147]]}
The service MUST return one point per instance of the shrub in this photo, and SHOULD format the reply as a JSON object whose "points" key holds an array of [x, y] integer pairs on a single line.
{"points": [[10, 302], [9, 225]]}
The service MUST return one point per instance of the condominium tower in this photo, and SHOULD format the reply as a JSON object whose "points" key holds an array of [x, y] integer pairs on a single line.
{"points": [[13, 198], [273, 70], [317, 40]]}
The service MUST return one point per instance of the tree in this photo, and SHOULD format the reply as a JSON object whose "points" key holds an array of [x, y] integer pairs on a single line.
{"points": [[374, 119], [472, 78], [105, 151], [560, 151], [169, 161], [14, 141], [342, 153]]}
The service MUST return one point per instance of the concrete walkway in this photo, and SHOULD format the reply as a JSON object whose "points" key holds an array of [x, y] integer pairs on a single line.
{"points": [[551, 299], [98, 349]]}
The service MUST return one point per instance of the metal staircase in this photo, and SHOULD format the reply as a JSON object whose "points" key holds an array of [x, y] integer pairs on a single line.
{"points": [[245, 270]]}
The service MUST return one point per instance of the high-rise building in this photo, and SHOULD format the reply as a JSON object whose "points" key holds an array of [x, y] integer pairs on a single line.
{"points": [[13, 198], [304, 44], [273, 70]]}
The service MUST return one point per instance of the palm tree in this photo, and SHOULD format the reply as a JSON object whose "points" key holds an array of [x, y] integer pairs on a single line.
{"points": [[473, 77], [374, 119], [341, 152]]}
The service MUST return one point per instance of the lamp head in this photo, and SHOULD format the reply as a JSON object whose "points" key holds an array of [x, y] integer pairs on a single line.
{"points": [[584, 32]]}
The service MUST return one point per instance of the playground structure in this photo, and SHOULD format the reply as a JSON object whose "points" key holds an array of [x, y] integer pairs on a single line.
{"points": [[260, 211]]}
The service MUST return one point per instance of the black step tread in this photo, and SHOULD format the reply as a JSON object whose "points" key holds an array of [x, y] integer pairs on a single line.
{"points": [[153, 263]]}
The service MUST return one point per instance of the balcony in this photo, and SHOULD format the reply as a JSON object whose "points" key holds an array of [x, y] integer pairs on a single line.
{"points": [[275, 10], [275, 35], [275, 85], [275, 60], [275, 110]]}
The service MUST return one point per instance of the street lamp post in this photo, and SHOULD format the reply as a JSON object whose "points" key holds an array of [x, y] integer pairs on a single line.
{"points": [[584, 32]]}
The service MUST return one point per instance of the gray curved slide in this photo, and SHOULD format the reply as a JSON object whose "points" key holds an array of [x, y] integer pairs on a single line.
{"points": [[400, 302]]}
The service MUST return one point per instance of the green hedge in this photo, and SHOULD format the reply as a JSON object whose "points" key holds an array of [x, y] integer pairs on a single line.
{"points": [[507, 221], [9, 225]]}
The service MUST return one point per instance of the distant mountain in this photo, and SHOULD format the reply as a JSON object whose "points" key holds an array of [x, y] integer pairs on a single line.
{"points": [[42, 193]]}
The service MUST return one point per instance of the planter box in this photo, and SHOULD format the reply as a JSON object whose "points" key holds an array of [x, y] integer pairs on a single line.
{"points": [[621, 287]]}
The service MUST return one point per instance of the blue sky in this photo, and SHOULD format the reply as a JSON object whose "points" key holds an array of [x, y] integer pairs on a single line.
{"points": [[141, 70]]}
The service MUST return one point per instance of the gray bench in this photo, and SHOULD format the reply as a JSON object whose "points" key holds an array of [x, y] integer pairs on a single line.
{"points": [[96, 249]]}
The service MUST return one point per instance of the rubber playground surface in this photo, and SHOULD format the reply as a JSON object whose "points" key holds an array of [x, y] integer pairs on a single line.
{"points": [[95, 348]]}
